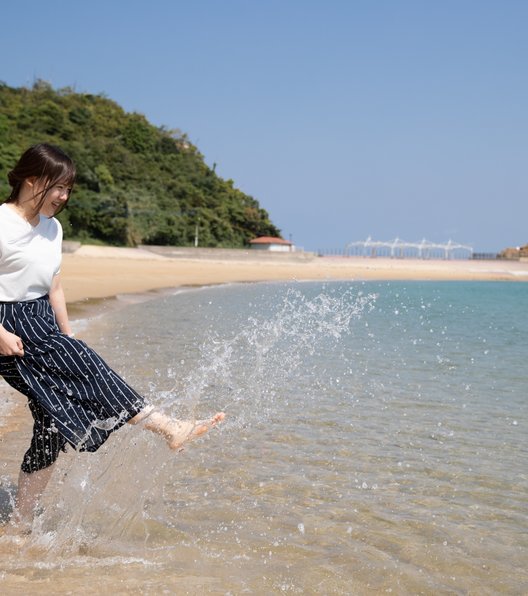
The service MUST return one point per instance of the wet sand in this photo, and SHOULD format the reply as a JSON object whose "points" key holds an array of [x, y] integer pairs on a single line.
{"points": [[99, 272]]}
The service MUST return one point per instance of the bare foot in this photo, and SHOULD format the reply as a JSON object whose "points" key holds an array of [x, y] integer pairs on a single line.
{"points": [[179, 432], [183, 431]]}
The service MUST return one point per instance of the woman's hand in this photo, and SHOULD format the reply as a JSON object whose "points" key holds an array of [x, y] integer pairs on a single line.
{"points": [[10, 344]]}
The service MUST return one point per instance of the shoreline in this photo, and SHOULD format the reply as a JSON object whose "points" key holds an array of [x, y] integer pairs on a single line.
{"points": [[99, 273]]}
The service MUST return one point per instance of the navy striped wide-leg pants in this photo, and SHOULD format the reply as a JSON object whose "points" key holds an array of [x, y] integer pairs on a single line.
{"points": [[74, 396]]}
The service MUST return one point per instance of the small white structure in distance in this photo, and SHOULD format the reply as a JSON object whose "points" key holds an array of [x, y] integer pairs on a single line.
{"points": [[398, 248], [272, 243]]}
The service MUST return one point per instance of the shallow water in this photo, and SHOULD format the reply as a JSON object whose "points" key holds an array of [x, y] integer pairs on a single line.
{"points": [[375, 443]]}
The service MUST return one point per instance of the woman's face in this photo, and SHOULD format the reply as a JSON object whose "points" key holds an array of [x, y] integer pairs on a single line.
{"points": [[55, 198]]}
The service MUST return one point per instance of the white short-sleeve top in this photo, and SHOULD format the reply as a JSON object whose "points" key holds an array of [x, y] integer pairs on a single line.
{"points": [[30, 256]]}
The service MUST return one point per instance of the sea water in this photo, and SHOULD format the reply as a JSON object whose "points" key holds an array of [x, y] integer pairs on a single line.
{"points": [[375, 442]]}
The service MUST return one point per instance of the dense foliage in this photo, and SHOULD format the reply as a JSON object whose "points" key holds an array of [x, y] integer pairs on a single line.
{"points": [[137, 183]]}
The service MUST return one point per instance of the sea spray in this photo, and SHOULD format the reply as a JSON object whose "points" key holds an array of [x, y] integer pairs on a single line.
{"points": [[267, 353], [104, 497]]}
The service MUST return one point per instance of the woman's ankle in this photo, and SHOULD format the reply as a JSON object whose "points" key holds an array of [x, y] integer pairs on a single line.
{"points": [[143, 415]]}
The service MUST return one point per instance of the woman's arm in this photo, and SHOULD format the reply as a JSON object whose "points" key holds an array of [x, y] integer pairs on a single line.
{"points": [[58, 303]]}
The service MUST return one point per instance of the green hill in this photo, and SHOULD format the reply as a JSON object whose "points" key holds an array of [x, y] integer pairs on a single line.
{"points": [[137, 183]]}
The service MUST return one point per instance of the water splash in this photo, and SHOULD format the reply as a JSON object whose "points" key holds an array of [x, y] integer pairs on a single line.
{"points": [[103, 499], [246, 372]]}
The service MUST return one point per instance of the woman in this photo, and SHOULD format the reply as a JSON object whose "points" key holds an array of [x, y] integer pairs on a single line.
{"points": [[74, 397]]}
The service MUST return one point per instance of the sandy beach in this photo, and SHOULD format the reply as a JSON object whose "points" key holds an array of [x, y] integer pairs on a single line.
{"points": [[101, 272]]}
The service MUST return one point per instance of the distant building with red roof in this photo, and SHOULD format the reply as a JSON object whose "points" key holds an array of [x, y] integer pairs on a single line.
{"points": [[272, 243]]}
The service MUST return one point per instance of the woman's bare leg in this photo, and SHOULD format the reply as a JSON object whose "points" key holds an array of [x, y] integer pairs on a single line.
{"points": [[30, 489], [175, 432]]}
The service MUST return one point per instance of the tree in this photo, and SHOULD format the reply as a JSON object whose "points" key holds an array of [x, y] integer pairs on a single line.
{"points": [[136, 183]]}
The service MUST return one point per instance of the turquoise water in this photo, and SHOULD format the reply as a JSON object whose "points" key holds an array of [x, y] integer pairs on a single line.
{"points": [[375, 443]]}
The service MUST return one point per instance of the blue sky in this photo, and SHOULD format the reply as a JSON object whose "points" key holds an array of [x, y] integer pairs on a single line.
{"points": [[344, 119]]}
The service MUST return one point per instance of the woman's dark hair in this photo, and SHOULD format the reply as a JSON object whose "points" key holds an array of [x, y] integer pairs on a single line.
{"points": [[46, 163]]}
